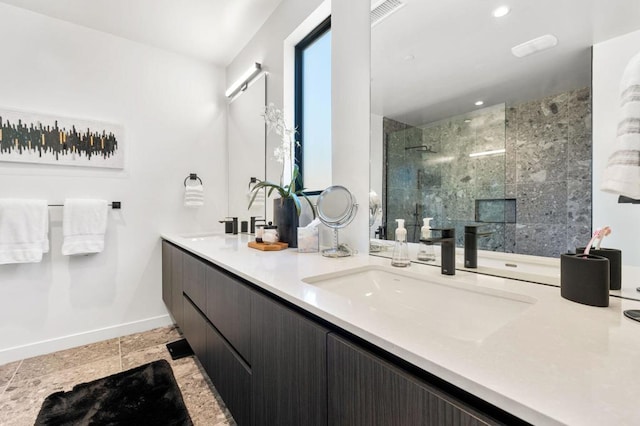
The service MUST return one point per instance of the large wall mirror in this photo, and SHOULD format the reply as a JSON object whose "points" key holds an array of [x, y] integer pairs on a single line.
{"points": [[246, 142], [486, 120]]}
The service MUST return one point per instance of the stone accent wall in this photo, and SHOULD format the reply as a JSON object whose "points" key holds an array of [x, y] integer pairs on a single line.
{"points": [[546, 168], [549, 173]]}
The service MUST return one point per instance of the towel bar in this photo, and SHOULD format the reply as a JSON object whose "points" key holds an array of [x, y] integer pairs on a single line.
{"points": [[114, 205]]}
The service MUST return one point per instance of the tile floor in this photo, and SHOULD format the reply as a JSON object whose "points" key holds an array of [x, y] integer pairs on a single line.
{"points": [[25, 384]]}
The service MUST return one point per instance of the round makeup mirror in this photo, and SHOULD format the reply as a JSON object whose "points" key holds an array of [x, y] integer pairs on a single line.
{"points": [[336, 207]]}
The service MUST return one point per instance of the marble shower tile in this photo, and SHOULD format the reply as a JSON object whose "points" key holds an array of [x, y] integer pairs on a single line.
{"points": [[159, 336], [541, 161], [542, 203], [490, 176], [62, 360], [495, 241], [578, 235], [510, 238], [6, 373], [511, 129], [579, 203], [22, 400], [580, 135], [541, 240]]}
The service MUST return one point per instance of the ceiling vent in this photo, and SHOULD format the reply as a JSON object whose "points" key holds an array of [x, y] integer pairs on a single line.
{"points": [[382, 9]]}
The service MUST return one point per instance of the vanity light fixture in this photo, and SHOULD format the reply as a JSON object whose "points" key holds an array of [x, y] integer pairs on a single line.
{"points": [[483, 153], [242, 83], [530, 47], [501, 11], [479, 103]]}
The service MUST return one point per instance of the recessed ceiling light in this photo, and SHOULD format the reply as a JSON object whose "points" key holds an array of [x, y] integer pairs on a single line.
{"points": [[500, 11], [409, 57], [467, 120], [478, 103], [536, 45]]}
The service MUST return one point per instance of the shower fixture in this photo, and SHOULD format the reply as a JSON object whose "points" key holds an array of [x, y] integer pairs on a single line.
{"points": [[422, 148]]}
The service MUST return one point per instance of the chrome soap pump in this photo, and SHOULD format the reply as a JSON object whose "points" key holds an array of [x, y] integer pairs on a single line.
{"points": [[401, 249], [426, 251]]}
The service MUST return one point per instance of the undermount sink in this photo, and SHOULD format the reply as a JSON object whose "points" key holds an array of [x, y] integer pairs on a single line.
{"points": [[440, 305]]}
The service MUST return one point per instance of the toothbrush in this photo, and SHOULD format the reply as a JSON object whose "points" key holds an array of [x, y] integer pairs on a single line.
{"points": [[599, 235], [606, 231]]}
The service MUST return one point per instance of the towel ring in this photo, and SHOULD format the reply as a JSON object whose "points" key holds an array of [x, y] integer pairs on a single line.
{"points": [[192, 176]]}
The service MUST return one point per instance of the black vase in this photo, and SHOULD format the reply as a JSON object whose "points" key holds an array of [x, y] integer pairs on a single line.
{"points": [[285, 217]]}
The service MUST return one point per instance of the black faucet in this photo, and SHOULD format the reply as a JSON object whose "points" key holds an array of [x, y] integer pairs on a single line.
{"points": [[447, 249], [471, 235]]}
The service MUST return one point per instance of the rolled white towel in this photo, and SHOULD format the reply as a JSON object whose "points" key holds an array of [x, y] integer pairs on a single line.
{"points": [[193, 196], [622, 174]]}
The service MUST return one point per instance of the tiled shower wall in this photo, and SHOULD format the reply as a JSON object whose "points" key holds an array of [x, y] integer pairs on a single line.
{"points": [[546, 168]]}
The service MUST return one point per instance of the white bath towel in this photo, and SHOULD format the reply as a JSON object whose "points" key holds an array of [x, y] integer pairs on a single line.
{"points": [[24, 229], [622, 175], [193, 196], [84, 223]]}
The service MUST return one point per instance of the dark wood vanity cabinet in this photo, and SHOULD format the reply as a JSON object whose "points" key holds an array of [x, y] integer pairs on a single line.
{"points": [[289, 366], [366, 390], [267, 361], [229, 308], [274, 364], [172, 280]]}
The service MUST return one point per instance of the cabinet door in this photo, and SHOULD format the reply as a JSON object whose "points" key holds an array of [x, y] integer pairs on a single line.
{"points": [[167, 275], [172, 280], [230, 375], [366, 390], [288, 352], [194, 328], [229, 309], [193, 280]]}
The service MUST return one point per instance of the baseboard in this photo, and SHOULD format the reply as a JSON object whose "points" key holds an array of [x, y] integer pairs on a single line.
{"points": [[80, 339]]}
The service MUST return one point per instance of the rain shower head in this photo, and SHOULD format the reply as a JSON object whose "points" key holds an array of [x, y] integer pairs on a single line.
{"points": [[422, 148]]}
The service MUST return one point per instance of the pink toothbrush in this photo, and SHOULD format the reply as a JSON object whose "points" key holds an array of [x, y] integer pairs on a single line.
{"points": [[599, 235]]}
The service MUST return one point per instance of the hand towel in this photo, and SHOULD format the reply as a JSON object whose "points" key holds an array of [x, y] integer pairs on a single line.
{"points": [[193, 196], [24, 229], [622, 174], [84, 223]]}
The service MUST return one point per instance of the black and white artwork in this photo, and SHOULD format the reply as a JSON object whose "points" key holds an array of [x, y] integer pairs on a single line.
{"points": [[38, 138]]}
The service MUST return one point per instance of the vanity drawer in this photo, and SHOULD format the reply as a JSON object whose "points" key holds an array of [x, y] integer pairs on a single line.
{"points": [[230, 375], [229, 309], [194, 327], [194, 272]]}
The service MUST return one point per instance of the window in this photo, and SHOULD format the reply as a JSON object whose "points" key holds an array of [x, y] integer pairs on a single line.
{"points": [[313, 108]]}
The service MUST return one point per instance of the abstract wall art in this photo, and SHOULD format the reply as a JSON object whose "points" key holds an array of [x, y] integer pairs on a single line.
{"points": [[37, 138]]}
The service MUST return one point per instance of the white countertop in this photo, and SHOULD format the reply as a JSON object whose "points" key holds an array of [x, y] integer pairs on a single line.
{"points": [[558, 362]]}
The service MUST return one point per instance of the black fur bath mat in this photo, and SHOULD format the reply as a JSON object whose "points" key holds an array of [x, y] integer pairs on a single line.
{"points": [[146, 395]]}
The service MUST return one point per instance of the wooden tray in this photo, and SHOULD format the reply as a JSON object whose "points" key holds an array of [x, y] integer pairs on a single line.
{"points": [[268, 247]]}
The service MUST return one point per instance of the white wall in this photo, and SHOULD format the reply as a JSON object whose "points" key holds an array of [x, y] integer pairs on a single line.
{"points": [[609, 60], [350, 110], [174, 120]]}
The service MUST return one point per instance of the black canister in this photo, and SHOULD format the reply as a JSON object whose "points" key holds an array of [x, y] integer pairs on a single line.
{"points": [[584, 278], [615, 264]]}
